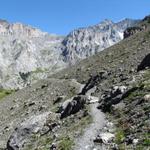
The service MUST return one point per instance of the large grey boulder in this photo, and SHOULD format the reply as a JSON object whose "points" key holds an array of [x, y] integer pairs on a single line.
{"points": [[145, 63], [36, 124], [105, 138], [112, 97], [72, 106]]}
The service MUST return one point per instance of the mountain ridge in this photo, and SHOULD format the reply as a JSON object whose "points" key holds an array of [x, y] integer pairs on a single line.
{"points": [[28, 54], [102, 102]]}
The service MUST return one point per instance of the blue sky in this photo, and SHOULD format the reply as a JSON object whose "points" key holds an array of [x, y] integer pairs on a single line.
{"points": [[62, 16]]}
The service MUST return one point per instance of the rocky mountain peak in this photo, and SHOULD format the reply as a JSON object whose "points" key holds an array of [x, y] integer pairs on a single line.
{"points": [[2, 21], [106, 22], [85, 42], [19, 30]]}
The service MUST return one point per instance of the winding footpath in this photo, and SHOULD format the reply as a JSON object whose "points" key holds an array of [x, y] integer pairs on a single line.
{"points": [[85, 142]]}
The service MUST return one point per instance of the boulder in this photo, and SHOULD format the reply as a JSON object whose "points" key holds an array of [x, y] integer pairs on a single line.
{"points": [[72, 106], [147, 97], [112, 97], [92, 99], [59, 99], [131, 31], [116, 90], [105, 138], [93, 81], [31, 126], [145, 63]]}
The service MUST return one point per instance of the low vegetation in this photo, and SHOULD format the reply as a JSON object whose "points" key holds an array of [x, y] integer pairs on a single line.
{"points": [[119, 137], [65, 143], [4, 92]]}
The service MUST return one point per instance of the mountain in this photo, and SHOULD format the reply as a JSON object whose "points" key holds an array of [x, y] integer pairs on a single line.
{"points": [[102, 102], [84, 42], [28, 54], [24, 50]]}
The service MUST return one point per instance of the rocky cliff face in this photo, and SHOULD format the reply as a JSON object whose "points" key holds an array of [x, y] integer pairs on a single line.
{"points": [[28, 54], [25, 50], [84, 42]]}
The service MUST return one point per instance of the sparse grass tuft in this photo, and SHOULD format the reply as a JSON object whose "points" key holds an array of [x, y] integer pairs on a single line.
{"points": [[65, 143], [119, 137], [146, 141], [4, 92]]}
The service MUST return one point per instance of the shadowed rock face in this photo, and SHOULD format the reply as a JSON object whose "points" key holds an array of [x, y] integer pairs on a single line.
{"points": [[131, 31], [72, 106], [147, 18], [145, 63], [33, 125]]}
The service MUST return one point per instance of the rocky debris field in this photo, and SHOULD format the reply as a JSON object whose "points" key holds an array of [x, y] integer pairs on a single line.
{"points": [[100, 103]]}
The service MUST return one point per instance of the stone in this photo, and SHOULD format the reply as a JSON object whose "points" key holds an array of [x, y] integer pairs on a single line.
{"points": [[135, 141], [92, 99], [131, 31], [112, 97], [145, 63], [72, 106], [53, 146], [59, 99], [105, 138], [147, 97], [84, 42], [33, 125]]}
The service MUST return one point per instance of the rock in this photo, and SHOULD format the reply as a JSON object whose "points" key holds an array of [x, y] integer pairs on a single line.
{"points": [[59, 99], [131, 31], [105, 138], [33, 125], [53, 146], [44, 86], [145, 63], [118, 106], [84, 42], [112, 97], [128, 92], [91, 83], [129, 139], [116, 90], [30, 53], [92, 99], [147, 18], [72, 106], [147, 97], [135, 141]]}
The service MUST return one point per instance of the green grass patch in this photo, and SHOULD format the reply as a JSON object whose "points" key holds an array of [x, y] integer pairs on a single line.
{"points": [[39, 142], [39, 70], [65, 143], [146, 141], [119, 137], [4, 92]]}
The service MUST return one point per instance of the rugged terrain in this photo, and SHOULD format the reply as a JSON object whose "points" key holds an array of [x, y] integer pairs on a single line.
{"points": [[84, 42], [28, 54], [58, 112]]}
